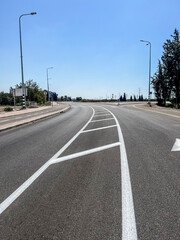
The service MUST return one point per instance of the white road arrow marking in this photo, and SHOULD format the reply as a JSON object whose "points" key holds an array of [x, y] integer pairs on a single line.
{"points": [[176, 146]]}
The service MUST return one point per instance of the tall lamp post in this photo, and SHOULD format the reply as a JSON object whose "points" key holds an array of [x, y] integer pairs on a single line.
{"points": [[48, 81], [148, 43], [22, 74]]}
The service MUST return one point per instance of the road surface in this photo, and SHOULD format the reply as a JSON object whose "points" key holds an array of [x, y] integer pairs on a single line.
{"points": [[95, 172]]}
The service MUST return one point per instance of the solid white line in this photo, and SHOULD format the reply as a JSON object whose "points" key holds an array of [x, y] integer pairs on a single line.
{"points": [[129, 231], [95, 129], [105, 119], [83, 153], [7, 202]]}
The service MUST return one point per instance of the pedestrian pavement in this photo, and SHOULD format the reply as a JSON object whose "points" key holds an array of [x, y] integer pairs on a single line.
{"points": [[27, 110], [57, 108]]}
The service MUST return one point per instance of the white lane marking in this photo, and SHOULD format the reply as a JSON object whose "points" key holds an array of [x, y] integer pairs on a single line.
{"points": [[72, 139], [105, 119], [83, 153], [96, 129], [5, 120], [99, 115], [129, 231], [176, 146], [100, 112], [8, 201]]}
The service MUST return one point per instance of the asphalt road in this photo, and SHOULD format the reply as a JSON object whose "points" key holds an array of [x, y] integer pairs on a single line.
{"points": [[84, 191]]}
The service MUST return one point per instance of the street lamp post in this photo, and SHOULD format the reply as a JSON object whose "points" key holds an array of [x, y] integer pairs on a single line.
{"points": [[48, 82], [149, 43], [22, 74]]}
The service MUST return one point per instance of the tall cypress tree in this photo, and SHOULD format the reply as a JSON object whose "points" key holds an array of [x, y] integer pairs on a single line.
{"points": [[171, 64]]}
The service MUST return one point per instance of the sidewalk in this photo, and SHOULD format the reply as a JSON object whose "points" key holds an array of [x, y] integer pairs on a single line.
{"points": [[60, 109], [28, 110]]}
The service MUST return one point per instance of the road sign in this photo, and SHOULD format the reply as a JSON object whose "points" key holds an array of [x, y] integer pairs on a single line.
{"points": [[17, 92]]}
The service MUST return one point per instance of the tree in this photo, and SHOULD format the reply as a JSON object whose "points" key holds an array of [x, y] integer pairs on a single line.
{"points": [[34, 92], [78, 98], [6, 98], [171, 64], [131, 98], [124, 97], [160, 85], [134, 98]]}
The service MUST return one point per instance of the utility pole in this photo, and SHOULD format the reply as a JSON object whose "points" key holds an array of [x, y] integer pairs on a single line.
{"points": [[149, 94], [22, 73], [48, 95]]}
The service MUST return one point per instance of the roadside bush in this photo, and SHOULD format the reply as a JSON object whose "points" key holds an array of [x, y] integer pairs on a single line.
{"points": [[47, 104], [8, 109], [19, 104]]}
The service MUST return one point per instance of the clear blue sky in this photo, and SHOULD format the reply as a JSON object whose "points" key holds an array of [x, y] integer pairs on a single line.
{"points": [[93, 45]]}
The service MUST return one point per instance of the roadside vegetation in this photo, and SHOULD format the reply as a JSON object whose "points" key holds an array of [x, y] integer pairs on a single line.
{"points": [[35, 96], [166, 81]]}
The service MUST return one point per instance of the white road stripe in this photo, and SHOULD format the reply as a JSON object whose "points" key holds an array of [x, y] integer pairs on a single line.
{"points": [[101, 112], [95, 129], [129, 231], [105, 119], [99, 115], [83, 153], [5, 120], [8, 201]]}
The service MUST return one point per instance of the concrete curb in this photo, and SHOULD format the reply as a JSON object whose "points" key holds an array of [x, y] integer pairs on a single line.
{"points": [[36, 119]]}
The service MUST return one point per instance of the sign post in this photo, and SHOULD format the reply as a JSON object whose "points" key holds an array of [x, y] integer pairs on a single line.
{"points": [[18, 92]]}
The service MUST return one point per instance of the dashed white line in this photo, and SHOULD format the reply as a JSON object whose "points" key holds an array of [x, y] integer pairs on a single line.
{"points": [[105, 119], [96, 129]]}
